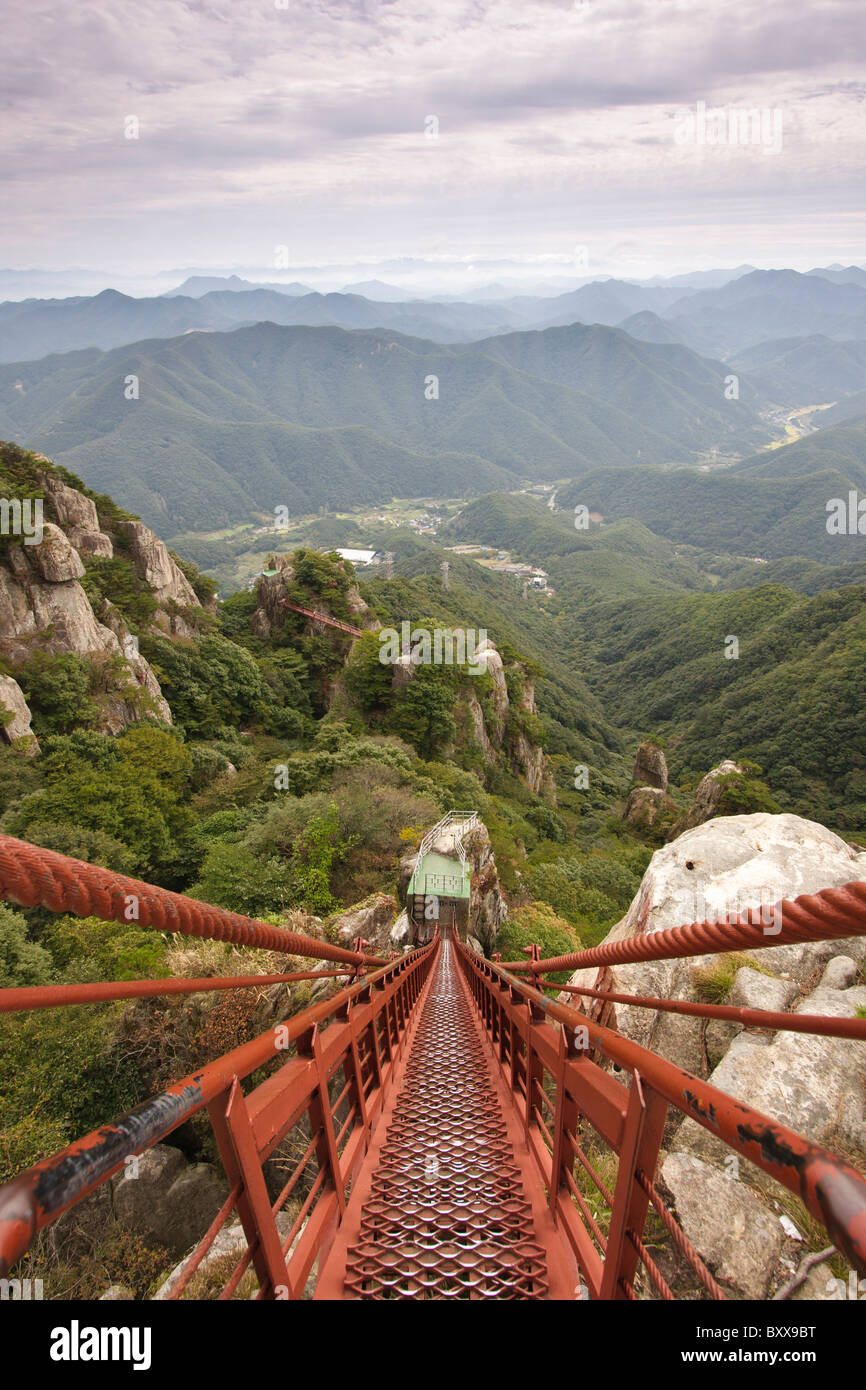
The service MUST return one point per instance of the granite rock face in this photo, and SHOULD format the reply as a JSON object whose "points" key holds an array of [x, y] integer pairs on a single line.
{"points": [[171, 588], [43, 607], [716, 871]]}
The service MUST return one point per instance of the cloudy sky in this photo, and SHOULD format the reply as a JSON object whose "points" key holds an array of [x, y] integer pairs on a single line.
{"points": [[563, 139]]}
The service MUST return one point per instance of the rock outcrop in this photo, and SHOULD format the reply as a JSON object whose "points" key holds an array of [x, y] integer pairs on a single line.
{"points": [[43, 607], [168, 1199], [56, 559], [372, 920], [78, 517], [159, 1195], [57, 617], [717, 871], [650, 767], [487, 906], [170, 587], [16, 730], [272, 588], [705, 802], [645, 805]]}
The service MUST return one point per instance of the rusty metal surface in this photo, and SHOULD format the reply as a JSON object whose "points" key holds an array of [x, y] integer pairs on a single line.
{"points": [[831, 915], [448, 1216], [821, 1024], [36, 877], [25, 997]]}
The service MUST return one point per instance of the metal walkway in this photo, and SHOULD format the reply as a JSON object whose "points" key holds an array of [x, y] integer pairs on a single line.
{"points": [[447, 1215]]}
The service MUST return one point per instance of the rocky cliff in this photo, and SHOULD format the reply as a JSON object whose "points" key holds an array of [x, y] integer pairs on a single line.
{"points": [[51, 599]]}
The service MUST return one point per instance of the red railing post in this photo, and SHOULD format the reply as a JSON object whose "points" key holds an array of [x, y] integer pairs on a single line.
{"points": [[564, 1119], [240, 1157], [641, 1142], [534, 1064], [321, 1117]]}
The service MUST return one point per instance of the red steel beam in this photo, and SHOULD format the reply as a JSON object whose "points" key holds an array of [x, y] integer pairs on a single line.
{"points": [[821, 1024], [833, 1191], [832, 914], [26, 997], [36, 877]]}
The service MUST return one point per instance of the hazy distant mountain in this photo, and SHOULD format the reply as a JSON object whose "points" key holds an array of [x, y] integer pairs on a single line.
{"points": [[197, 285], [752, 308], [607, 301], [805, 371], [700, 279], [30, 328], [28, 284], [765, 305], [842, 274], [227, 423], [380, 291], [649, 328], [33, 328]]}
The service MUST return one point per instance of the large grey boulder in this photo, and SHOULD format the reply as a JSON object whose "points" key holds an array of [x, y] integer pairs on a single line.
{"points": [[841, 973], [754, 990], [373, 922], [738, 1238], [814, 1085], [169, 1199], [716, 871], [57, 560]]}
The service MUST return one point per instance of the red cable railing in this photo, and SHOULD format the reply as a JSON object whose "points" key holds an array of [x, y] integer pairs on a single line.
{"points": [[830, 915], [36, 877]]}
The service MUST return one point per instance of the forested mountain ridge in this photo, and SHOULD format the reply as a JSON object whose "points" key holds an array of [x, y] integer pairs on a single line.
{"points": [[649, 626], [771, 505], [207, 430]]}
